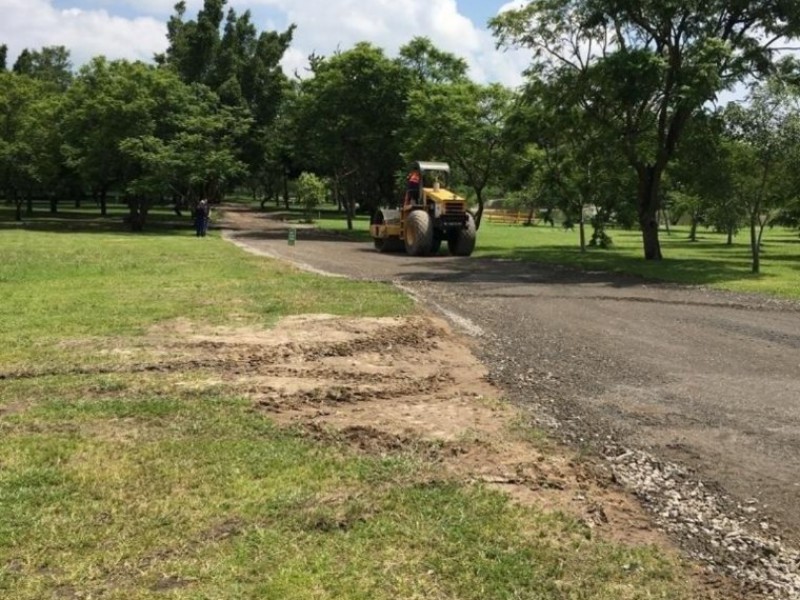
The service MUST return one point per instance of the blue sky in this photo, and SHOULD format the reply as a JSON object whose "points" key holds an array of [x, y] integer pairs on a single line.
{"points": [[135, 29], [479, 11]]}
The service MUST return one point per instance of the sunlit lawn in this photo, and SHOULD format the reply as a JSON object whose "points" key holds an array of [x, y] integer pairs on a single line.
{"points": [[169, 485], [709, 261], [62, 276]]}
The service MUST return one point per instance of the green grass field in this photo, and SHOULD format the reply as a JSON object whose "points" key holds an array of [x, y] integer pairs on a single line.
{"points": [[164, 485], [59, 281], [709, 261]]}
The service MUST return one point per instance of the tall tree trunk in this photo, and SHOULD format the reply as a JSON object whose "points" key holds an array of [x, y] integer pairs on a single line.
{"points": [[582, 229], [754, 245], [18, 204], [29, 204], [730, 235], [336, 195], [648, 205], [665, 216], [103, 205], [286, 189], [529, 222], [138, 207], [351, 209], [266, 186], [755, 218], [479, 214], [54, 205], [693, 232]]}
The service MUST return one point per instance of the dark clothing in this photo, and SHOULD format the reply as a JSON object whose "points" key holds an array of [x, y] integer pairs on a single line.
{"points": [[201, 220]]}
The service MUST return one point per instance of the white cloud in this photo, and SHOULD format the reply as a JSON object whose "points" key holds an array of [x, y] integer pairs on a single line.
{"points": [[513, 5], [323, 27], [86, 33]]}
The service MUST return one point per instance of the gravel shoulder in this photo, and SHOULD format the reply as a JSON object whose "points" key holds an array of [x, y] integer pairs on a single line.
{"points": [[691, 395]]}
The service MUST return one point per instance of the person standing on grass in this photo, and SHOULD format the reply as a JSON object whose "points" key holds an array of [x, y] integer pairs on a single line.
{"points": [[201, 218]]}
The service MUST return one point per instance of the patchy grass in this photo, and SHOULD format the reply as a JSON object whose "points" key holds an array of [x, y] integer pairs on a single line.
{"points": [[144, 485]]}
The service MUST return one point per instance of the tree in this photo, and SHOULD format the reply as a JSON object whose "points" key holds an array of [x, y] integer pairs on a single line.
{"points": [[193, 44], [583, 170], [17, 95], [461, 123], [188, 153], [3, 57], [40, 128], [699, 180], [430, 65], [765, 150], [642, 68], [311, 192], [51, 65], [108, 102], [453, 119], [349, 117], [241, 65], [529, 180], [282, 150]]}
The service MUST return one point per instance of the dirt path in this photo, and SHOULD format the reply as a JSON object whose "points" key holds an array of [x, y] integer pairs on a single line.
{"points": [[693, 395]]}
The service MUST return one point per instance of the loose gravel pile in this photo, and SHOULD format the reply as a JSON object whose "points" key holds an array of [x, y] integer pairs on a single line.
{"points": [[721, 536]]}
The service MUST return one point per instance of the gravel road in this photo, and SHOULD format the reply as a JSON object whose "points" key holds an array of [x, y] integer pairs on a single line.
{"points": [[692, 394]]}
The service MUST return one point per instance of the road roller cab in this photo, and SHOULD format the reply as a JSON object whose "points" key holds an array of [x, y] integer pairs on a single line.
{"points": [[430, 214]]}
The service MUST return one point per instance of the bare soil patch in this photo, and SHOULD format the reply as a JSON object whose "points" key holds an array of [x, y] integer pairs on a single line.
{"points": [[410, 386], [398, 386]]}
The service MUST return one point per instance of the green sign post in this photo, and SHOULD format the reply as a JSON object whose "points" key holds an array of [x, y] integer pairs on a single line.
{"points": [[292, 236]]}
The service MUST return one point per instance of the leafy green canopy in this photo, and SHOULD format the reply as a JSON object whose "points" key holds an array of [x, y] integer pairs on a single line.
{"points": [[349, 117], [642, 68], [241, 65], [763, 150], [430, 65], [142, 130], [18, 96], [463, 123], [51, 65]]}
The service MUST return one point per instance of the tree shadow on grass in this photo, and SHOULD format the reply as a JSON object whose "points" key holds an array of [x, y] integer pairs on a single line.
{"points": [[692, 271], [89, 221]]}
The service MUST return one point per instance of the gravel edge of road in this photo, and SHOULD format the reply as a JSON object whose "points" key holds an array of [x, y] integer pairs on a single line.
{"points": [[726, 536]]}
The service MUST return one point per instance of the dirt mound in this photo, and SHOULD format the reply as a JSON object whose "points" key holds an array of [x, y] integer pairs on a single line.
{"points": [[400, 386]]}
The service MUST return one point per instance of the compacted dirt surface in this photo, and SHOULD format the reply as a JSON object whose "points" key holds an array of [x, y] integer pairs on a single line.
{"points": [[688, 397]]}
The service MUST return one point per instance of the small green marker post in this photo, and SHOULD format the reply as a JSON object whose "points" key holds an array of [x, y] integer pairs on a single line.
{"points": [[292, 236]]}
